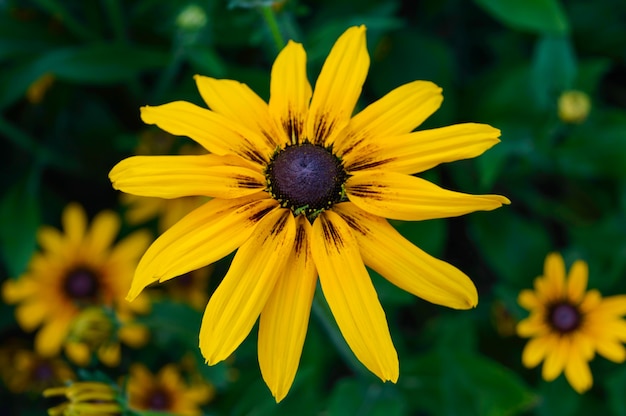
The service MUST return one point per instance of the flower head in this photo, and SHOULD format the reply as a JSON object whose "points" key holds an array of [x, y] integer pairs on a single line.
{"points": [[574, 106], [568, 324], [75, 269], [166, 392], [302, 189], [86, 398], [24, 370]]}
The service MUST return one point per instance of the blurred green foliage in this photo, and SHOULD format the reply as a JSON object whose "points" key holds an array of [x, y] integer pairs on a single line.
{"points": [[504, 63]]}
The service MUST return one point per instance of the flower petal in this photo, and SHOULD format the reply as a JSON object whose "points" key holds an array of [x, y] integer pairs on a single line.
{"points": [[338, 86], [613, 305], [385, 250], [179, 176], [290, 92], [577, 281], [554, 273], [239, 103], [202, 237], [577, 371], [285, 317], [351, 295], [610, 349], [50, 240], [241, 296], [403, 197], [74, 222], [398, 112], [31, 313], [534, 325], [527, 299], [103, 231], [214, 132], [535, 351], [556, 359], [422, 150], [51, 335]]}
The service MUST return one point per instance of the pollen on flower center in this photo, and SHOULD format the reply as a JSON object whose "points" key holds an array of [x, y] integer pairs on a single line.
{"points": [[306, 178], [564, 317], [81, 284]]}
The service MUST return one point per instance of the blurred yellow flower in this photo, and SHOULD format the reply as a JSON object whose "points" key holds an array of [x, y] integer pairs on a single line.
{"points": [[98, 330], [166, 392], [86, 398], [574, 106], [75, 269], [24, 370], [301, 188], [568, 324]]}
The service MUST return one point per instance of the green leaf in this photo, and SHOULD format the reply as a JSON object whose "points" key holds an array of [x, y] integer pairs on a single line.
{"points": [[450, 382], [18, 235], [554, 69], [353, 397], [513, 246], [538, 16]]}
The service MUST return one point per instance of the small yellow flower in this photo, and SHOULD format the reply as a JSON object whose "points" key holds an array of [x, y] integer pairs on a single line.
{"points": [[568, 324], [301, 188], [98, 330], [24, 370], [574, 106], [86, 398], [75, 269], [166, 392]]}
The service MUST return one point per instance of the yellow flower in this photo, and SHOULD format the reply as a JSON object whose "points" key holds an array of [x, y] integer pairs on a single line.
{"points": [[301, 188], [190, 288], [86, 398], [166, 392], [98, 330], [568, 324], [75, 270], [574, 106], [24, 370]]}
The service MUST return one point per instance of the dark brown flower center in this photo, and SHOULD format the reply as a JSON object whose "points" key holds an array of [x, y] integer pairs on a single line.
{"points": [[81, 284], [158, 399], [43, 372], [306, 179], [564, 317]]}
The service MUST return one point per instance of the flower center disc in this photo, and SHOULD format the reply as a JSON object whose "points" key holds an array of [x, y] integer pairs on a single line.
{"points": [[306, 178], [81, 284], [158, 400], [564, 317]]}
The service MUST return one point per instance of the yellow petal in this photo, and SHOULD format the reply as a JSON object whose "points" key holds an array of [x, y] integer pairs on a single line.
{"points": [[16, 290], [554, 272], [403, 197], [102, 233], [535, 325], [577, 372], [285, 317], [613, 305], [528, 300], [398, 112], [237, 302], [74, 223], [239, 103], [134, 335], [422, 150], [351, 296], [536, 350], [180, 176], [202, 237], [130, 249], [290, 92], [31, 313], [385, 250], [610, 349], [110, 354], [50, 239], [214, 132], [78, 353], [50, 337], [556, 359], [577, 281], [338, 86]]}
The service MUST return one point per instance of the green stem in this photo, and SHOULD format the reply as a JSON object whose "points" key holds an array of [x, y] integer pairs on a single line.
{"points": [[272, 24], [325, 317]]}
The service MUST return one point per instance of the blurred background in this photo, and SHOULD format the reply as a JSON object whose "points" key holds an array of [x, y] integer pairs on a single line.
{"points": [[550, 74]]}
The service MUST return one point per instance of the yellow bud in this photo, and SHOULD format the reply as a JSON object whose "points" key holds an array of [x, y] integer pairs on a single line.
{"points": [[574, 106]]}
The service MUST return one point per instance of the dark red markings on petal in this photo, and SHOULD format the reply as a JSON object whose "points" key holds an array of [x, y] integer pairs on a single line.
{"points": [[331, 234], [366, 191], [247, 182], [323, 128]]}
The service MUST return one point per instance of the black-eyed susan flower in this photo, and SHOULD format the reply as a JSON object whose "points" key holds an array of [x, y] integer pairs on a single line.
{"points": [[302, 189], [86, 398], [75, 269], [166, 391], [23, 370], [568, 324]]}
